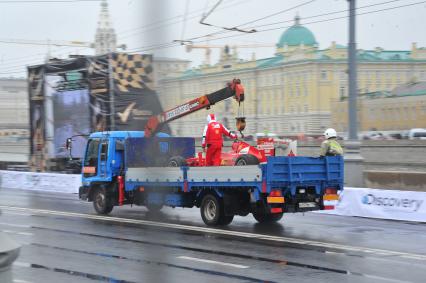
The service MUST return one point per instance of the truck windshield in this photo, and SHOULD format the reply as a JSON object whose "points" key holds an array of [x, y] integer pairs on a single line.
{"points": [[91, 158]]}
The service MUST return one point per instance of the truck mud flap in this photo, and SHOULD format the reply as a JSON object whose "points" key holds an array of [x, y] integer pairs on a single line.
{"points": [[83, 193], [236, 204]]}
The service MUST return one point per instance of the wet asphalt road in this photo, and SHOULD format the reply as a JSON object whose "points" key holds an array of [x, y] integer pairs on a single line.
{"points": [[64, 241]]}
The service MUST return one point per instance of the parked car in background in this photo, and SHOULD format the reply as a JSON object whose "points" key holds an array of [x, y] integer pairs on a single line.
{"points": [[417, 134]]}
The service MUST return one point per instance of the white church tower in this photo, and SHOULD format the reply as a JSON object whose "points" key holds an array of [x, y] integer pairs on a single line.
{"points": [[105, 38]]}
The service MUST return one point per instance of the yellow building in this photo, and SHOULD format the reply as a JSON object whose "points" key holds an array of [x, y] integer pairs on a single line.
{"points": [[401, 109], [291, 92]]}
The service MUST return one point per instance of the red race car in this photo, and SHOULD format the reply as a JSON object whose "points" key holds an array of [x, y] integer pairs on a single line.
{"points": [[241, 153]]}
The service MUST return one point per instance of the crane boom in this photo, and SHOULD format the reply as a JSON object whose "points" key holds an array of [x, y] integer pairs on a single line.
{"points": [[233, 89]]}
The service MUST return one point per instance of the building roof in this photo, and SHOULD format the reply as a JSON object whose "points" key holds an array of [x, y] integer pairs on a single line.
{"points": [[408, 89], [297, 35], [269, 62], [191, 73], [383, 55], [413, 88]]}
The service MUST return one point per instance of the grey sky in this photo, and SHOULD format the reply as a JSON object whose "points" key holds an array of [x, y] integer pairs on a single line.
{"points": [[391, 30]]}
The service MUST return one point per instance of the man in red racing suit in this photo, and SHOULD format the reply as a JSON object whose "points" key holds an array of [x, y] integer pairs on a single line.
{"points": [[212, 138]]}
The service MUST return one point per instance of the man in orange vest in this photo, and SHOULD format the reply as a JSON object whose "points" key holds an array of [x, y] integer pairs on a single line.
{"points": [[213, 140]]}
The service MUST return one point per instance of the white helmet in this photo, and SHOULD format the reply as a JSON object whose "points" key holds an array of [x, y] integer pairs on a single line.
{"points": [[330, 133], [211, 118]]}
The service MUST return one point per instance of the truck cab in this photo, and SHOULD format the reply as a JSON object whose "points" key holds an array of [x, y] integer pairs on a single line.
{"points": [[108, 153], [104, 156], [103, 160]]}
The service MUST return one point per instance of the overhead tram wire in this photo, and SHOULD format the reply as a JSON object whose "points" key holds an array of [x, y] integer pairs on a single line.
{"points": [[330, 13], [154, 27], [280, 22], [33, 62], [163, 45], [173, 44], [277, 13], [132, 32], [259, 19], [359, 14], [320, 21], [274, 14], [152, 24], [221, 32]]}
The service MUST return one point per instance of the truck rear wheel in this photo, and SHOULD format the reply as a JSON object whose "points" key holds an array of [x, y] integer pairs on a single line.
{"points": [[267, 218], [212, 211], [246, 159], [101, 203]]}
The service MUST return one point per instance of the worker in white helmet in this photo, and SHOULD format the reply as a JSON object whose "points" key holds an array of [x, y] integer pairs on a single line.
{"points": [[330, 146], [213, 140]]}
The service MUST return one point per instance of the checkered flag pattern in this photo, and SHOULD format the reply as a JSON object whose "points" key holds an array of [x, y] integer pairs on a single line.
{"points": [[132, 71]]}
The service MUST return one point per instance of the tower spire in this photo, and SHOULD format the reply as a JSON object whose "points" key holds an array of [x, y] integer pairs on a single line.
{"points": [[105, 38], [297, 19]]}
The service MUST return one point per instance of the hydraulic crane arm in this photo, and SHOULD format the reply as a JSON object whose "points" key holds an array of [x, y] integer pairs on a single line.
{"points": [[233, 89]]}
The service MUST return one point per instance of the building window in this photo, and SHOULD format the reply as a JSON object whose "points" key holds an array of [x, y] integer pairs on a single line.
{"points": [[342, 92], [305, 108], [323, 75]]}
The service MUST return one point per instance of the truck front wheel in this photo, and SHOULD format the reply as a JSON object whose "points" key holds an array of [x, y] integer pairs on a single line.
{"points": [[212, 211], [101, 203], [267, 218]]}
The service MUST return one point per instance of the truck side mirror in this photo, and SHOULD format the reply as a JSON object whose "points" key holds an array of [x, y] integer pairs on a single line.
{"points": [[68, 145]]}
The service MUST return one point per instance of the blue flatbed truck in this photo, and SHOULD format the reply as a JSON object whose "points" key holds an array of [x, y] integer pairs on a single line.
{"points": [[124, 167]]}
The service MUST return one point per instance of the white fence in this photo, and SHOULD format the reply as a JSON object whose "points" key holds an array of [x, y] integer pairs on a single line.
{"points": [[40, 181]]}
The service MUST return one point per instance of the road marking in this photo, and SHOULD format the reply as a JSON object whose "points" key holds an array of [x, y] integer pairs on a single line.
{"points": [[213, 262], [220, 232], [15, 225], [20, 281], [18, 233], [383, 278], [21, 264]]}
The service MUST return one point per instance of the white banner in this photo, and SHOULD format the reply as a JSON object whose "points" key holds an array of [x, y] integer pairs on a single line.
{"points": [[383, 204], [64, 183]]}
